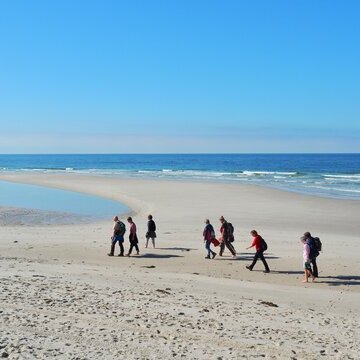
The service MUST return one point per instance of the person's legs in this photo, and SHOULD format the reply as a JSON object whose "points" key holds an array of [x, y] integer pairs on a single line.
{"points": [[261, 256], [147, 242], [131, 248], [222, 247], [305, 275], [121, 248], [308, 272], [112, 249], [213, 253], [153, 242], [256, 256], [136, 248], [207, 247], [315, 269], [230, 247]]}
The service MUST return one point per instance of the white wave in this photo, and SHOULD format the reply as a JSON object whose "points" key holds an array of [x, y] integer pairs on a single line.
{"points": [[347, 190], [342, 176], [251, 173], [329, 188], [192, 173], [35, 169]]}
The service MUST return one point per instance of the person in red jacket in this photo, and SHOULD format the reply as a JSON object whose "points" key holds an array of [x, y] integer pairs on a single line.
{"points": [[258, 243]]}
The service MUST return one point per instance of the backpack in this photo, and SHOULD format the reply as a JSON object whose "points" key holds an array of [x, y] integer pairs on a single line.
{"points": [[264, 246], [317, 243], [314, 252], [122, 228], [230, 230]]}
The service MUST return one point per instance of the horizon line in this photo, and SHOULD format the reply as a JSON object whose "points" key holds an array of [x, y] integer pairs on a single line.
{"points": [[192, 153]]}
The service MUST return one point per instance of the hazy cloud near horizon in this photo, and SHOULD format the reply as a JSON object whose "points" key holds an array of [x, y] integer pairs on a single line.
{"points": [[250, 141]]}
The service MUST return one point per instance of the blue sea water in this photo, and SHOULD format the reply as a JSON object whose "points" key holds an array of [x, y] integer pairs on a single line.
{"points": [[330, 175]]}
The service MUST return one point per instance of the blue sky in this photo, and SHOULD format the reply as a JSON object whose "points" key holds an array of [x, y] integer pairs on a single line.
{"points": [[179, 76]]}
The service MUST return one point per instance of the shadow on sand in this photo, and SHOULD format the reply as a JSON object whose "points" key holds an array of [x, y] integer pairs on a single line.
{"points": [[341, 280], [288, 272], [176, 249], [158, 256], [244, 257]]}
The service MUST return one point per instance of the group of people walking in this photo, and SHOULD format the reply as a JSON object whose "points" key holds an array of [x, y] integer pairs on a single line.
{"points": [[119, 232], [226, 239], [311, 245]]}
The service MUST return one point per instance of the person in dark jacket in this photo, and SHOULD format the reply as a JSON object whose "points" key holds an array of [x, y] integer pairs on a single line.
{"points": [[151, 231], [313, 253], [225, 238], [209, 235]]}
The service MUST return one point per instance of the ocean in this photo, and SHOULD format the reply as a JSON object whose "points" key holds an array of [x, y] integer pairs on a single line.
{"points": [[329, 175]]}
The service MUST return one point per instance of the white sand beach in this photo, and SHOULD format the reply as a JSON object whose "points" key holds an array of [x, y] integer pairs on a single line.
{"points": [[63, 297]]}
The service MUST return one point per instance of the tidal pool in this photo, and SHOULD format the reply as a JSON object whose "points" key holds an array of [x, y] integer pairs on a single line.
{"points": [[54, 201]]}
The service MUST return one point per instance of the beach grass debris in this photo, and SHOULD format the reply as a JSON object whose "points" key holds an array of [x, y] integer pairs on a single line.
{"points": [[166, 292], [269, 303]]}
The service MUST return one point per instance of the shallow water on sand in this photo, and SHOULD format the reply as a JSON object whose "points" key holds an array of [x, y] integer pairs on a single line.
{"points": [[53, 205]]}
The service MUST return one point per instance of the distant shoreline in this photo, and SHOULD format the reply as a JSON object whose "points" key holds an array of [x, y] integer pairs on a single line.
{"points": [[324, 175], [143, 175]]}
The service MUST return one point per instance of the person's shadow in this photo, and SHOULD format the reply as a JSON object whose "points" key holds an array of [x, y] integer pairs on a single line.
{"points": [[158, 256], [245, 257], [330, 280], [287, 272], [349, 280], [176, 249]]}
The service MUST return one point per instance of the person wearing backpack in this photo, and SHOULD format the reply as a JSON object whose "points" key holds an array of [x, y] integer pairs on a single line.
{"points": [[260, 247], [209, 235], [118, 236], [227, 237], [315, 247]]}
